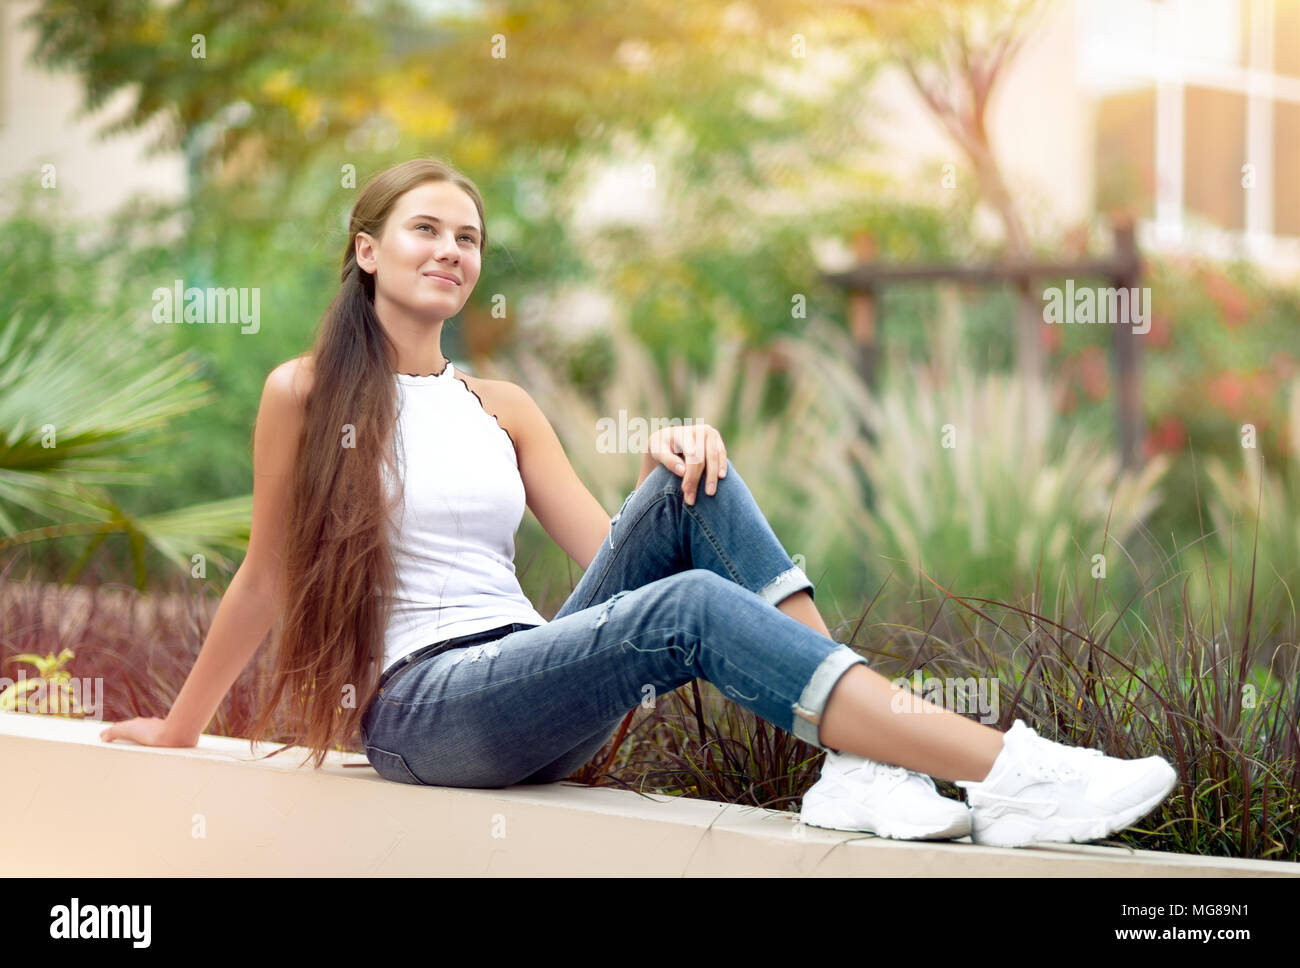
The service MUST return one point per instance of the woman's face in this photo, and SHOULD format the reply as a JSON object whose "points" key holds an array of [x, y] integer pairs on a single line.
{"points": [[432, 232]]}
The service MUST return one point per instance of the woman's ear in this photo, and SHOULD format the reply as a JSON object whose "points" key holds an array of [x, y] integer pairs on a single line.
{"points": [[364, 252]]}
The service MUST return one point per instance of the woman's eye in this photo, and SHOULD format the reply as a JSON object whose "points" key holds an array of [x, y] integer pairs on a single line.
{"points": [[426, 225]]}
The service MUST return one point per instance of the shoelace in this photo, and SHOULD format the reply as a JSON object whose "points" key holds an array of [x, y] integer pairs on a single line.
{"points": [[1053, 761], [897, 774]]}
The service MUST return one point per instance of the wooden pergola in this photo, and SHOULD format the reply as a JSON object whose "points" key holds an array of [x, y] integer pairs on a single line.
{"points": [[1122, 269]]}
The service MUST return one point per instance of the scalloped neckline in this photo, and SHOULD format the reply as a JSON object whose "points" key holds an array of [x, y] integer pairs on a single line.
{"points": [[433, 379]]}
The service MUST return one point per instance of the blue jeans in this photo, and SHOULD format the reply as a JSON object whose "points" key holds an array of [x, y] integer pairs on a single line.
{"points": [[676, 592]]}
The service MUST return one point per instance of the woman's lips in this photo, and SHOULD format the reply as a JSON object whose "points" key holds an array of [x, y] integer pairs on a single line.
{"points": [[442, 279]]}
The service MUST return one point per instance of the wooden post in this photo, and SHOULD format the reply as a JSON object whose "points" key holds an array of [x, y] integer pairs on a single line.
{"points": [[1031, 358], [948, 330], [1126, 349], [863, 313], [1122, 270]]}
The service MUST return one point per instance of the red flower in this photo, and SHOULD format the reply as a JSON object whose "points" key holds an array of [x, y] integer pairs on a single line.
{"points": [[1228, 392], [1169, 434], [1049, 337], [1160, 330], [1232, 300], [1284, 365], [1094, 372]]}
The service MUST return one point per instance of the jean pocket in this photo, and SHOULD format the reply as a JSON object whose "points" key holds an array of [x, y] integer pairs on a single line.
{"points": [[391, 766]]}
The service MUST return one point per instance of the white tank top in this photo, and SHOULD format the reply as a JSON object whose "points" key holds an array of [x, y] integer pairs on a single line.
{"points": [[454, 531]]}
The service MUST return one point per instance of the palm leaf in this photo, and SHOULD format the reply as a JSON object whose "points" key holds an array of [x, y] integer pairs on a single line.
{"points": [[78, 410]]}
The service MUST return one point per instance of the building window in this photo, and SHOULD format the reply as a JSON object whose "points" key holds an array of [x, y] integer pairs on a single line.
{"points": [[1286, 166], [1286, 38], [1214, 151], [1126, 153], [1189, 93]]}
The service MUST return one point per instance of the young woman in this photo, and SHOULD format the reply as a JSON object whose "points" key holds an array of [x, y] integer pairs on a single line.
{"points": [[388, 487]]}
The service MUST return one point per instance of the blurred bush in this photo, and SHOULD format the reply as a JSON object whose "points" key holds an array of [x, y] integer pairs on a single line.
{"points": [[985, 492]]}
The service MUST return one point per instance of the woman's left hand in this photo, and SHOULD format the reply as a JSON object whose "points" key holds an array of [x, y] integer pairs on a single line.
{"points": [[690, 452]]}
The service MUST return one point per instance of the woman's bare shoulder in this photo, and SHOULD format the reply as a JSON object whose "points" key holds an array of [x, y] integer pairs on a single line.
{"points": [[500, 398], [293, 377]]}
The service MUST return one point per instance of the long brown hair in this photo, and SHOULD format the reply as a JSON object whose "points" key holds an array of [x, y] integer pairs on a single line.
{"points": [[335, 598]]}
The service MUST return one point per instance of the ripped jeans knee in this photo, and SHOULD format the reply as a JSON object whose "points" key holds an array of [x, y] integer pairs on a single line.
{"points": [[603, 615]]}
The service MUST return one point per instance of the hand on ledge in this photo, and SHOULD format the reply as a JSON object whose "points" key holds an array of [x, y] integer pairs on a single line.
{"points": [[147, 731]]}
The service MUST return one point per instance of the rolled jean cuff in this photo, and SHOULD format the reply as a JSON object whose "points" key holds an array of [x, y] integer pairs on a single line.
{"points": [[785, 584], [812, 702]]}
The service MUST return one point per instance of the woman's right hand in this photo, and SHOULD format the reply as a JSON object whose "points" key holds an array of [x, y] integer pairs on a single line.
{"points": [[147, 731]]}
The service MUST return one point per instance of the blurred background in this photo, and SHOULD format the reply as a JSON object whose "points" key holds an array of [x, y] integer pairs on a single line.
{"points": [[830, 229]]}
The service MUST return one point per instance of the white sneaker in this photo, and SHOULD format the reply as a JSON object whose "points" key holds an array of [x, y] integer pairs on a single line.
{"points": [[1044, 792], [854, 793]]}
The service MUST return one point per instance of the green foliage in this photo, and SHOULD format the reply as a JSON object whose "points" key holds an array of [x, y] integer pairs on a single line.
{"points": [[85, 411], [1256, 518], [51, 674], [58, 266], [1221, 353], [725, 272], [980, 488]]}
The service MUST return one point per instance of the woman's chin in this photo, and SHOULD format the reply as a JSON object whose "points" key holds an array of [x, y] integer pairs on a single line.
{"points": [[444, 305]]}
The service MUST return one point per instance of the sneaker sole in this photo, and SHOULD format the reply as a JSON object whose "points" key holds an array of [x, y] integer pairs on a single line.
{"points": [[829, 820], [1024, 831]]}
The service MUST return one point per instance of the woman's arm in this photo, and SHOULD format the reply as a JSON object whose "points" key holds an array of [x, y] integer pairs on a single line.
{"points": [[566, 510], [247, 609], [243, 618]]}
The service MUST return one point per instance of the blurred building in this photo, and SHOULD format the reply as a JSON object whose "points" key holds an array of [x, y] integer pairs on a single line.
{"points": [[1186, 112], [40, 126]]}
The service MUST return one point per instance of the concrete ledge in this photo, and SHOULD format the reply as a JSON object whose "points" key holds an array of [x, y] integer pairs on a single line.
{"points": [[76, 806]]}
